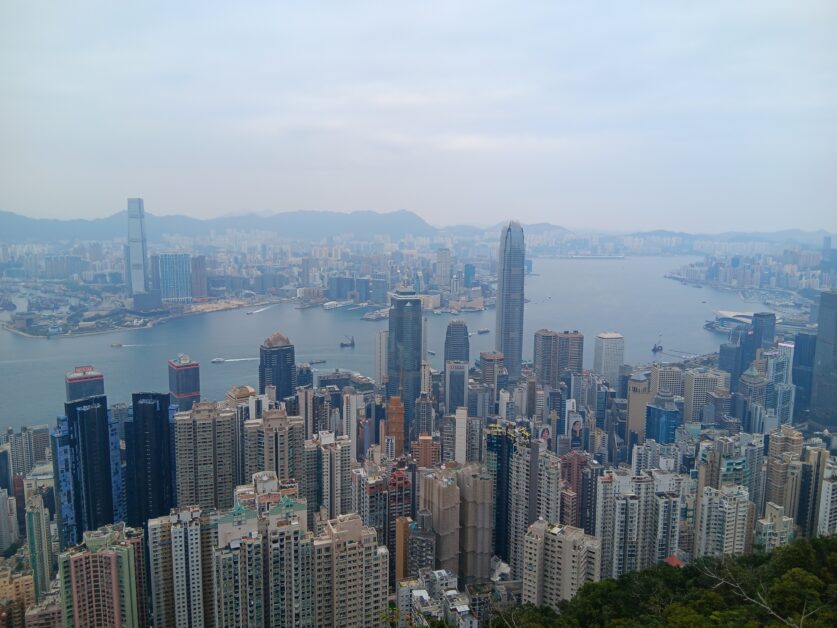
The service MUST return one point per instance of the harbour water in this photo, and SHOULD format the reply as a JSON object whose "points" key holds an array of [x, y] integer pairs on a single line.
{"points": [[627, 295]]}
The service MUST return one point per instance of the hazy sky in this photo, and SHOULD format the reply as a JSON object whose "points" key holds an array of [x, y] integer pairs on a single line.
{"points": [[700, 116]]}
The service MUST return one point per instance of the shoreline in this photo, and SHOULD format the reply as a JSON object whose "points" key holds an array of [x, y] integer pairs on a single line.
{"points": [[153, 323]]}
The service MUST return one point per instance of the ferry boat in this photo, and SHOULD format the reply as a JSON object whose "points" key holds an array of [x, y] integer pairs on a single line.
{"points": [[484, 330], [217, 360]]}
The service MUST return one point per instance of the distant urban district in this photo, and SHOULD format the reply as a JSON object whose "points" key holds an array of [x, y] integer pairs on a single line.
{"points": [[496, 490]]}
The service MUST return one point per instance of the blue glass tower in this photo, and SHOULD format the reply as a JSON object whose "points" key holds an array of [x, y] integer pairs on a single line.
{"points": [[662, 418]]}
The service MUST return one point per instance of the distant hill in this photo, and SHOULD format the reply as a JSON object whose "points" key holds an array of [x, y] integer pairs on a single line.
{"points": [[307, 225]]}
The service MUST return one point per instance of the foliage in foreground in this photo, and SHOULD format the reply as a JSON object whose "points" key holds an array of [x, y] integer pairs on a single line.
{"points": [[793, 586]]}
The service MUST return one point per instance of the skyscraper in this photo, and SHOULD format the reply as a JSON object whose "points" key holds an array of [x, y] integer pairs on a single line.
{"points": [[103, 581], [609, 355], [83, 382], [804, 349], [137, 258], [381, 350], [175, 278], [87, 469], [545, 357], [824, 389], [764, 329], [457, 345], [277, 365], [456, 385], [149, 473], [199, 283], [184, 382], [40, 544], [570, 351], [404, 355], [203, 450], [510, 280]]}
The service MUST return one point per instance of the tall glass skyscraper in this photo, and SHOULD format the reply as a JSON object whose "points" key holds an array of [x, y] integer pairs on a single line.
{"points": [[148, 453], [404, 352], [510, 278], [457, 345], [137, 254], [184, 382], [277, 366], [87, 469], [824, 389]]}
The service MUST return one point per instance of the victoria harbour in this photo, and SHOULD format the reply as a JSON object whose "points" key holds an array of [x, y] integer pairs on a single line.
{"points": [[628, 295]]}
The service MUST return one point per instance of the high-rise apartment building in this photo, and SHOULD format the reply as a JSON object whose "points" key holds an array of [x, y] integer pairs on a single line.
{"points": [[510, 299], [381, 351], [725, 523], [457, 344], [175, 278], [39, 540], [184, 382], [87, 469], [609, 356], [824, 381], [476, 521], [102, 581], [439, 494], [180, 573], [149, 475], [558, 561], [404, 352], [277, 366], [136, 261], [203, 451]]}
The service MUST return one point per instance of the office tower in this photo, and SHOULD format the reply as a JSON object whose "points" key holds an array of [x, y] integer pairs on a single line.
{"points": [[203, 451], [381, 350], [724, 526], [545, 362], [443, 268], [492, 366], [87, 469], [175, 278], [404, 354], [395, 424], [180, 574], [277, 366], [83, 382], [149, 476], [198, 277], [824, 381], [752, 387], [559, 560], [639, 396], [399, 501], [102, 580], [421, 550], [667, 377], [476, 521], [499, 447], [510, 280], [697, 384], [136, 261], [39, 540], [662, 418], [802, 370], [184, 382], [439, 494], [773, 530], [827, 520], [425, 420], [628, 523], [730, 360], [609, 355], [764, 329], [456, 385], [570, 351], [352, 575], [457, 344], [469, 274], [804, 489]]}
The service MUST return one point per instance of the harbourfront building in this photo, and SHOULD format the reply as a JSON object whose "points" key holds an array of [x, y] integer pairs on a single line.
{"points": [[277, 366]]}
